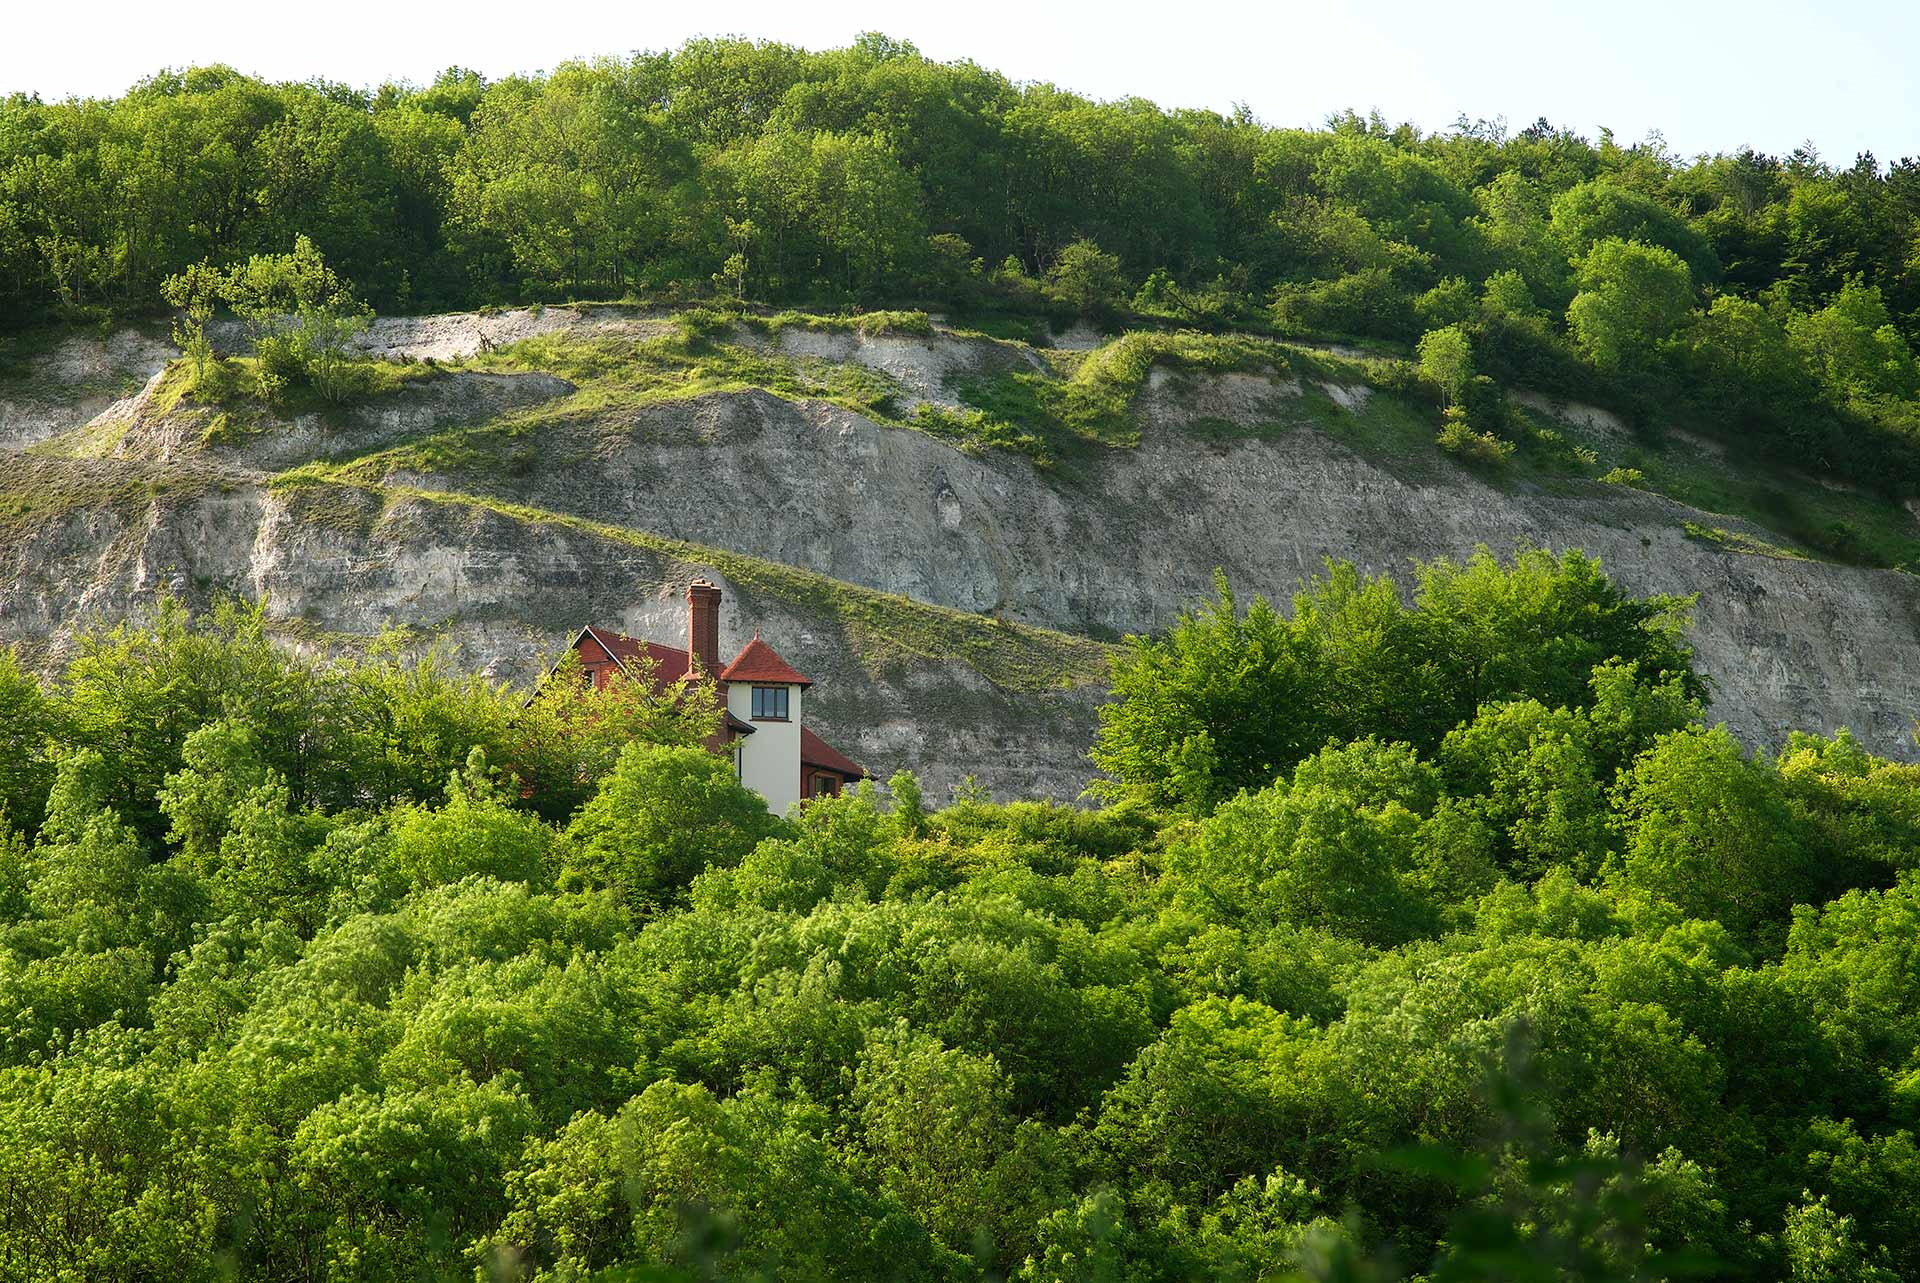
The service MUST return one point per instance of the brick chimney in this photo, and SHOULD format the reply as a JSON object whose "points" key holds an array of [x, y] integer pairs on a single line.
{"points": [[703, 626]]}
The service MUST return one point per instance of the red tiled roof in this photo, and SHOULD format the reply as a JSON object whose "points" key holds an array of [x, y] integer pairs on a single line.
{"points": [[759, 662], [670, 663], [816, 752]]}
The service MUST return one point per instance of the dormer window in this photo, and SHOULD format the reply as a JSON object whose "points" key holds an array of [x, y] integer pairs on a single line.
{"points": [[770, 704]]}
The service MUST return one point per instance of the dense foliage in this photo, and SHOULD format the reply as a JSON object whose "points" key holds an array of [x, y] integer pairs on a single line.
{"points": [[1776, 299], [1444, 939]]}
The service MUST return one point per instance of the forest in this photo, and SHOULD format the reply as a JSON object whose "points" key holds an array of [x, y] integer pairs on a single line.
{"points": [[1771, 300], [1422, 930]]}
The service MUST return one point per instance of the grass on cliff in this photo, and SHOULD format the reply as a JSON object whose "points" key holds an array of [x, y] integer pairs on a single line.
{"points": [[230, 405], [1062, 408], [36, 490], [24, 359], [1812, 520], [695, 358], [1081, 403], [1086, 401], [613, 376], [1076, 404], [1846, 524], [885, 628]]}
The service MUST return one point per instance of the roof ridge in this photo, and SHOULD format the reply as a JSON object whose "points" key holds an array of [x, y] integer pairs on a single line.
{"points": [[593, 631]]}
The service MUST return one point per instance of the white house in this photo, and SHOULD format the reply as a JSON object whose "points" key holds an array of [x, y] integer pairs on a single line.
{"points": [[764, 729]]}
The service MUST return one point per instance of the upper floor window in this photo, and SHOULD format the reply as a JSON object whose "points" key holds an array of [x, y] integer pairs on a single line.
{"points": [[769, 703]]}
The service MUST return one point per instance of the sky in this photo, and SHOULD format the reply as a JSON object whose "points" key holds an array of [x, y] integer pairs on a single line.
{"points": [[1711, 75]]}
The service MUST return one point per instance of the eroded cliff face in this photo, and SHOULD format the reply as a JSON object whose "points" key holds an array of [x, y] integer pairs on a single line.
{"points": [[1789, 644], [506, 555], [70, 381]]}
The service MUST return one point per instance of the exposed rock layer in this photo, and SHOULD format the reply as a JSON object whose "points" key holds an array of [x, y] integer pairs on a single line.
{"points": [[1116, 544]]}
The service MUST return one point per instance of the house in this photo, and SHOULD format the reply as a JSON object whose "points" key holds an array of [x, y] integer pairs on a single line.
{"points": [[774, 753]]}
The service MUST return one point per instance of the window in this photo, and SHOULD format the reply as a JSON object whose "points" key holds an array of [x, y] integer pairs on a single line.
{"points": [[824, 786], [769, 703]]}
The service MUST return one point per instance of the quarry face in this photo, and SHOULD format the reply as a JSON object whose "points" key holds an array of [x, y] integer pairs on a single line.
{"points": [[1117, 545]]}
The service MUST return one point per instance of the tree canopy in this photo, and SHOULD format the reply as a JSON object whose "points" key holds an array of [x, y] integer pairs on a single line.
{"points": [[1420, 935], [871, 175]]}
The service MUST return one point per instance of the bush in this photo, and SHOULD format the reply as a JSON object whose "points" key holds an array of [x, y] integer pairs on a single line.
{"points": [[1087, 279], [1459, 438], [300, 314], [1446, 361], [1366, 302], [662, 816]]}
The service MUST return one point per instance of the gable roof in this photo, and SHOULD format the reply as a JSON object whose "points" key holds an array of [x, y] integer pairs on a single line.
{"points": [[815, 751], [759, 662], [670, 663]]}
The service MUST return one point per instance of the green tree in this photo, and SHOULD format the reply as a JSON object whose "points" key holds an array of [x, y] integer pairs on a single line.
{"points": [[473, 832], [1191, 694], [1087, 279], [1632, 299], [664, 814], [936, 1122], [1532, 776], [302, 318], [578, 176], [27, 733], [1853, 347], [1593, 212], [1446, 361], [1821, 1247], [1332, 848], [1707, 829]]}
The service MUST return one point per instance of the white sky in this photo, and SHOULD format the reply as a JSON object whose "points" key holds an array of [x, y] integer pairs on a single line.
{"points": [[1712, 74]]}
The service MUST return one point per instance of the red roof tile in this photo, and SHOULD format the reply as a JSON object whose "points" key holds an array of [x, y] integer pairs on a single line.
{"points": [[669, 662], [816, 752], [759, 662]]}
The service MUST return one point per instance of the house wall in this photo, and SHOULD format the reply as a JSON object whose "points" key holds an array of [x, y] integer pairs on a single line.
{"points": [[594, 661], [770, 757]]}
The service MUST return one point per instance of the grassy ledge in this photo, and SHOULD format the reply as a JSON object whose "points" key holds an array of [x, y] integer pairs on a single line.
{"points": [[1737, 541], [35, 490]]}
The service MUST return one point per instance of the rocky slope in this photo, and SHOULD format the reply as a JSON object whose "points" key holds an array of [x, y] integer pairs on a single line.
{"points": [[937, 594]]}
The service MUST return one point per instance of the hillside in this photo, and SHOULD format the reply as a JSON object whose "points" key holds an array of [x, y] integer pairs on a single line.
{"points": [[946, 529], [1408, 941], [1482, 565]]}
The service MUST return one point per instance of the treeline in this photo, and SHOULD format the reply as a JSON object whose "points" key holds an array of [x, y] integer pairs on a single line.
{"points": [[1775, 299], [1438, 940]]}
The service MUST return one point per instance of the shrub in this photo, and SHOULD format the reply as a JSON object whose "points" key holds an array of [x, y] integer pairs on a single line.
{"points": [[300, 314], [1087, 279], [662, 816], [1458, 437]]}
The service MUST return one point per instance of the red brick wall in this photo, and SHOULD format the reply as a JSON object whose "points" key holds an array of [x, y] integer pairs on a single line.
{"points": [[703, 625]]}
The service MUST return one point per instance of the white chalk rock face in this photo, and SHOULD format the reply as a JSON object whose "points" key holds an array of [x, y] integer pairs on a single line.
{"points": [[1116, 543]]}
